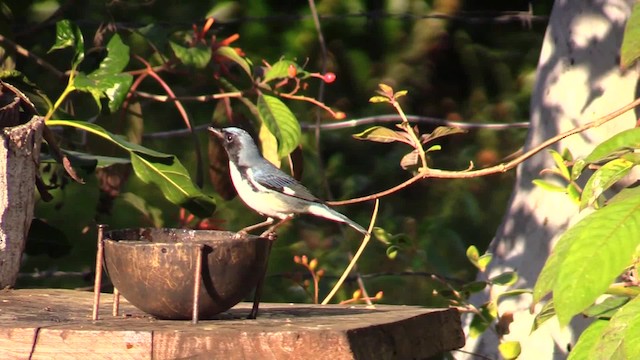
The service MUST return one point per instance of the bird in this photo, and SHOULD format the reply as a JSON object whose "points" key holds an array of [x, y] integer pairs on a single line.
{"points": [[267, 189]]}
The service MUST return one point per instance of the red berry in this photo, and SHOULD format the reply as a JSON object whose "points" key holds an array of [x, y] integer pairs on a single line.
{"points": [[329, 77]]}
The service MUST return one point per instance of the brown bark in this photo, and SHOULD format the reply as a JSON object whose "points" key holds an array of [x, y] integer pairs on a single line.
{"points": [[19, 151]]}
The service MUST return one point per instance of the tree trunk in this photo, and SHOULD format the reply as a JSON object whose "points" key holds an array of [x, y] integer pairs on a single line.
{"points": [[19, 151], [578, 80]]}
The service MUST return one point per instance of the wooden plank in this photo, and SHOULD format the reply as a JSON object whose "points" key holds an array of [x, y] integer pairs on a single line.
{"points": [[282, 331], [92, 344]]}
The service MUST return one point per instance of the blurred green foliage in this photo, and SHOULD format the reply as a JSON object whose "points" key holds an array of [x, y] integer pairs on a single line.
{"points": [[457, 68]]}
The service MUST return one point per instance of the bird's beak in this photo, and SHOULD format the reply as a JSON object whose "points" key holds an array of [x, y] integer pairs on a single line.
{"points": [[216, 132]]}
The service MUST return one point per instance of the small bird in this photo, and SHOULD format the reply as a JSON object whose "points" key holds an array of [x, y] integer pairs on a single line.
{"points": [[265, 188]]}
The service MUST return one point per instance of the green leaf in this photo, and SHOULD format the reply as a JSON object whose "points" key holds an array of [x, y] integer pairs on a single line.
{"points": [[281, 70], [484, 261], [163, 170], [588, 340], [433, 148], [473, 254], [547, 312], [606, 308], [510, 349], [392, 252], [67, 35], [381, 235], [614, 147], [513, 293], [557, 158], [108, 81], [474, 287], [605, 177], [382, 134], [116, 139], [378, 99], [174, 181], [230, 53], [549, 186], [630, 49], [591, 254], [439, 132], [281, 123], [505, 279], [619, 340], [197, 56]]}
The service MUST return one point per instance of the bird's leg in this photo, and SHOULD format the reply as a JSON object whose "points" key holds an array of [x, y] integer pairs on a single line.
{"points": [[272, 236], [246, 230]]}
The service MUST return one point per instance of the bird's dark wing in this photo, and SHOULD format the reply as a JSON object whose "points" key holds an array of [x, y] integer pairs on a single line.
{"points": [[278, 181]]}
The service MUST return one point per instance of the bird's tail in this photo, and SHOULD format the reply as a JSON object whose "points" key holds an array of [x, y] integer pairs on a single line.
{"points": [[328, 213]]}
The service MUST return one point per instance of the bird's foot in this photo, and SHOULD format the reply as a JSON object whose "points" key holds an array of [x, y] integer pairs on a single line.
{"points": [[240, 235]]}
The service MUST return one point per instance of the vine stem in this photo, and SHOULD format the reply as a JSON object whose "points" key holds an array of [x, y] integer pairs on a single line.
{"points": [[356, 256], [500, 168]]}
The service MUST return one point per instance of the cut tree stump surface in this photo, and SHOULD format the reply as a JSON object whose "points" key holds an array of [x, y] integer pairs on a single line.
{"points": [[56, 324]]}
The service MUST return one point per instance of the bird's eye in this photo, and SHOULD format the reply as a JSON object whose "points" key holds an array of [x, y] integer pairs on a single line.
{"points": [[229, 138]]}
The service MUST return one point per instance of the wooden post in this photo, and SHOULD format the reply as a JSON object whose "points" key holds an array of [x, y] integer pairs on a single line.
{"points": [[19, 154]]}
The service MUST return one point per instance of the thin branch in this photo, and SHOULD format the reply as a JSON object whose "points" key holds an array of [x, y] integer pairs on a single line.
{"points": [[200, 98], [29, 55], [185, 117], [359, 122], [355, 258], [415, 119], [501, 168]]}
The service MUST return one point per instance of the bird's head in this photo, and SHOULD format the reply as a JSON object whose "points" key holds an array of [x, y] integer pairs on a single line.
{"points": [[238, 143]]}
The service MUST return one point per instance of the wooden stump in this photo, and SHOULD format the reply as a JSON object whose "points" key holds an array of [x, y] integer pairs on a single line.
{"points": [[45, 324], [20, 152]]}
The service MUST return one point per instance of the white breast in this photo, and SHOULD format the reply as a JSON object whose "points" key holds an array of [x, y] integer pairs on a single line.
{"points": [[265, 201]]}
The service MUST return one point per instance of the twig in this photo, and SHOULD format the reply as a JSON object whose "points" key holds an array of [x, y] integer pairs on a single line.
{"points": [[185, 117], [200, 98], [363, 245], [501, 168], [415, 119], [28, 54]]}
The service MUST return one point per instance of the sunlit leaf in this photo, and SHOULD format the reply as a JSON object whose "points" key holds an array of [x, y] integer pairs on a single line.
{"points": [[549, 186], [67, 35], [439, 132], [587, 341], [590, 255], [410, 160], [480, 323], [557, 158], [382, 134], [433, 148], [197, 56], [505, 279], [574, 193], [281, 122], [269, 145], [473, 254], [381, 235], [400, 93], [231, 54], [630, 48], [484, 261], [281, 70], [547, 312], [174, 182], [601, 180], [509, 349], [378, 99], [614, 147], [108, 81], [606, 308], [392, 252], [386, 89], [619, 339]]}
